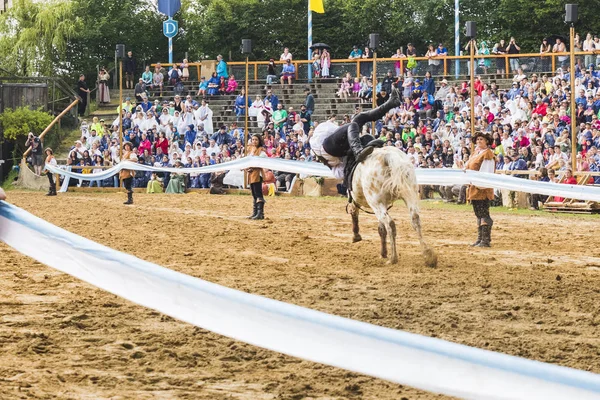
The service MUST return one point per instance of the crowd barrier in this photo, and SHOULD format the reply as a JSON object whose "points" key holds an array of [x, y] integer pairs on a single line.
{"points": [[426, 363], [424, 176]]}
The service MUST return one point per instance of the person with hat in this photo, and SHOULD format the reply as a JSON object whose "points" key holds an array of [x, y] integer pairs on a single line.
{"points": [[355, 53], [482, 160], [127, 175], [139, 90]]}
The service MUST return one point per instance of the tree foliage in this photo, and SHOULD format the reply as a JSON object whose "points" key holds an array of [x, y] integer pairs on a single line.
{"points": [[34, 36], [68, 37], [22, 120]]}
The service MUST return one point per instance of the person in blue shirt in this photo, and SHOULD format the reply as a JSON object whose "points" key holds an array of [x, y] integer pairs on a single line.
{"points": [[240, 104], [288, 72], [581, 99], [514, 91], [355, 53], [518, 164], [272, 99], [441, 50], [202, 87], [145, 104], [221, 67], [190, 134], [213, 85], [222, 137], [429, 83]]}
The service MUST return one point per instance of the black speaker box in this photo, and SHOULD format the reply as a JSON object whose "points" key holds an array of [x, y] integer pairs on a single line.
{"points": [[246, 46]]}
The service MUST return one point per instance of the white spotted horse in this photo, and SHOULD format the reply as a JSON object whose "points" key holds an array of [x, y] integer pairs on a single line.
{"points": [[385, 176]]}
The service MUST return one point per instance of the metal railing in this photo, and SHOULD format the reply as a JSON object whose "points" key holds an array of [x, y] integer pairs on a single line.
{"points": [[529, 62]]}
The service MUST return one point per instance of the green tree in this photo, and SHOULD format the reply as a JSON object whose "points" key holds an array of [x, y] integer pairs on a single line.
{"points": [[22, 120], [34, 36]]}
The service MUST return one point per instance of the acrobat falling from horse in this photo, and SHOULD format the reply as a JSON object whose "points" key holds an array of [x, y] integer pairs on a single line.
{"points": [[376, 176]]}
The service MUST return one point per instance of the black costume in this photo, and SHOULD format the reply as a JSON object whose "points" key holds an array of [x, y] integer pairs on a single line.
{"points": [[346, 139], [82, 92]]}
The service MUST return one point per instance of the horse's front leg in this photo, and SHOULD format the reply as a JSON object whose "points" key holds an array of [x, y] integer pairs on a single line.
{"points": [[355, 228], [383, 236]]}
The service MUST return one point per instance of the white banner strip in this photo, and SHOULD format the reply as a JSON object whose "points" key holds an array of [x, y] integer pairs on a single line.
{"points": [[422, 362], [436, 176]]}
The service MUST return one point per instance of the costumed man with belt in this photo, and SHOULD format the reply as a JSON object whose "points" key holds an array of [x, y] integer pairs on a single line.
{"points": [[340, 148], [482, 160], [126, 175]]}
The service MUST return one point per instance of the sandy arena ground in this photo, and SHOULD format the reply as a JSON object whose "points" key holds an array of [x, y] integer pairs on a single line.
{"points": [[535, 294]]}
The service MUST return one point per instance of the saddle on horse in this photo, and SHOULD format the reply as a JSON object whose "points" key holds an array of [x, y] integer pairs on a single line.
{"points": [[369, 144]]}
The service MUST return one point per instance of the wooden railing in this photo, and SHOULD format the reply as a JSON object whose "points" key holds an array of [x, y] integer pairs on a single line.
{"points": [[548, 61]]}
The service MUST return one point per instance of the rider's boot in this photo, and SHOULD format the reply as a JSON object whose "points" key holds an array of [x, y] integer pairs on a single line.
{"points": [[382, 110], [360, 152]]}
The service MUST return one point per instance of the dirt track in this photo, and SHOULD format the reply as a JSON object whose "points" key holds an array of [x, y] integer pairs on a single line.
{"points": [[535, 294]]}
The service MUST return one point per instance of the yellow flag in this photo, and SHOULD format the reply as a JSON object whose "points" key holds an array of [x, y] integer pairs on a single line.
{"points": [[316, 6]]}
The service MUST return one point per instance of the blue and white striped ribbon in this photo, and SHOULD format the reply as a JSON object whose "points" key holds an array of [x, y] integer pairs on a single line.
{"points": [[422, 362]]}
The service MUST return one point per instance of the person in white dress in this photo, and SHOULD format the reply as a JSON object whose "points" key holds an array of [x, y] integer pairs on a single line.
{"points": [[205, 115], [256, 110]]}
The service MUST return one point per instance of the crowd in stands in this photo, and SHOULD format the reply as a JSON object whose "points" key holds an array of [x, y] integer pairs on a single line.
{"points": [[529, 121]]}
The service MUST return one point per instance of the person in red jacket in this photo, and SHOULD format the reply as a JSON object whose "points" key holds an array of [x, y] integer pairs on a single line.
{"points": [[162, 143], [145, 144], [541, 108]]}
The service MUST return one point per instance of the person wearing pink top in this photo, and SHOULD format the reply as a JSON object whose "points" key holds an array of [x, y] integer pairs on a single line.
{"points": [[232, 85]]}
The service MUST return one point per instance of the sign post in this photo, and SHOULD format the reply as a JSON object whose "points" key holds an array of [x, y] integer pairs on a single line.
{"points": [[170, 29]]}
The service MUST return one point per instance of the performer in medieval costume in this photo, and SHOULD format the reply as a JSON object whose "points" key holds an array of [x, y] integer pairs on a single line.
{"points": [[255, 177], [50, 160], [482, 160], [127, 175], [341, 147]]}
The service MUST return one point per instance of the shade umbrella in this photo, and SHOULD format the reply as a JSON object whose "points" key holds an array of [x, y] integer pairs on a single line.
{"points": [[552, 40], [320, 46]]}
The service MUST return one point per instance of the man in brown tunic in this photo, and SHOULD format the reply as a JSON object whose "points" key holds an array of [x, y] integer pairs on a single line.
{"points": [[482, 160]]}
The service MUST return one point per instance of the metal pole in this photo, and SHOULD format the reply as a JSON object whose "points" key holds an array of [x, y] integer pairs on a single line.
{"points": [[246, 124], [121, 110], [456, 38], [171, 51], [246, 108], [374, 78], [573, 110], [309, 42], [472, 91]]}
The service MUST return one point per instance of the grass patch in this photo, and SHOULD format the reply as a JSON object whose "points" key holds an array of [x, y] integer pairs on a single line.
{"points": [[66, 143], [12, 176]]}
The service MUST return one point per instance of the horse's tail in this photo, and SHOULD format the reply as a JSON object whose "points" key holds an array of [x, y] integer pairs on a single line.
{"points": [[401, 181]]}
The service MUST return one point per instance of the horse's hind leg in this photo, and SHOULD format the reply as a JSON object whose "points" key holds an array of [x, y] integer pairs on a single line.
{"points": [[428, 252], [355, 229], [383, 234], [387, 226]]}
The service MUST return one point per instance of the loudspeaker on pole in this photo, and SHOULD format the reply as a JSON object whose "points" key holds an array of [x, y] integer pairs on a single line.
{"points": [[471, 29], [120, 51], [374, 40], [246, 46], [570, 13]]}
